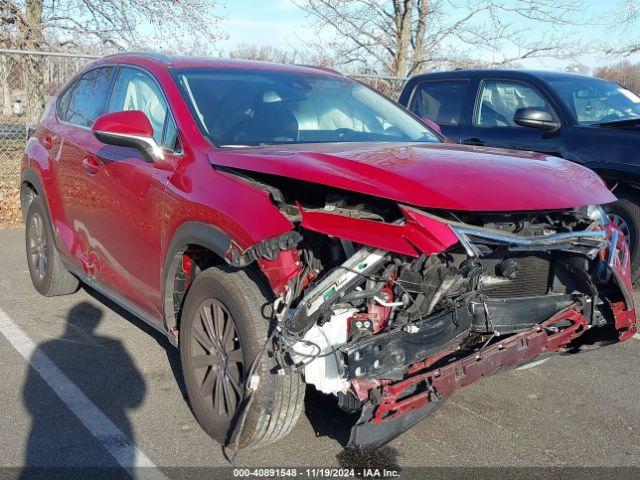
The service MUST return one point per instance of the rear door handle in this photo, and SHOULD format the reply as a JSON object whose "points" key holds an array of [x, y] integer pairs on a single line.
{"points": [[91, 165], [474, 141]]}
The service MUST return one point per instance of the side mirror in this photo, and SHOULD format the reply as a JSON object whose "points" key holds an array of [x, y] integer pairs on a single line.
{"points": [[130, 128], [431, 124], [535, 117]]}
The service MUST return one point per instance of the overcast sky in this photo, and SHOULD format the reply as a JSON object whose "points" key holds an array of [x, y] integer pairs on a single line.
{"points": [[282, 24]]}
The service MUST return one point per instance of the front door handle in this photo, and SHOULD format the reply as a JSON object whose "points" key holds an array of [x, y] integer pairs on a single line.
{"points": [[474, 141], [91, 165]]}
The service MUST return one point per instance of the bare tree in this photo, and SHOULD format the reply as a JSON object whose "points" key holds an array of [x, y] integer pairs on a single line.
{"points": [[627, 23], [99, 26], [268, 53], [625, 73], [5, 69], [22, 27], [118, 24], [263, 53], [403, 37]]}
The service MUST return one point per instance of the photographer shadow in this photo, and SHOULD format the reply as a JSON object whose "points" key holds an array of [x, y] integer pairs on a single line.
{"points": [[60, 445]]}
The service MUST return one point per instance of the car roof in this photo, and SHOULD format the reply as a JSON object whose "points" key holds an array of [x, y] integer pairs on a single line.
{"points": [[540, 74], [210, 62]]}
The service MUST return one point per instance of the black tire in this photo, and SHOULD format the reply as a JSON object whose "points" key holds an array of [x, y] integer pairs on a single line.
{"points": [[240, 297], [48, 275], [627, 209]]}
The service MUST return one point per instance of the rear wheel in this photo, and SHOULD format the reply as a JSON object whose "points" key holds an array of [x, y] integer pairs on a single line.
{"points": [[48, 275], [625, 213], [222, 331]]}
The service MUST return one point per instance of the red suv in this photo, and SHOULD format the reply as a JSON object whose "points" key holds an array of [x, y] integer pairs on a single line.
{"points": [[285, 225]]}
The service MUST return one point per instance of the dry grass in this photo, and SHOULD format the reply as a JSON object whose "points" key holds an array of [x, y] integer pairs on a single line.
{"points": [[10, 154], [10, 214]]}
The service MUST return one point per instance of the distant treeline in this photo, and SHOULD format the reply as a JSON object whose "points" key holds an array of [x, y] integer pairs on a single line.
{"points": [[625, 73]]}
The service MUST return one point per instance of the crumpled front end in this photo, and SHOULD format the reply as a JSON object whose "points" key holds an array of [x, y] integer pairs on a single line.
{"points": [[392, 308]]}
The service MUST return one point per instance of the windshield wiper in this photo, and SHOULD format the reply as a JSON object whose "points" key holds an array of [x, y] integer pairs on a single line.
{"points": [[627, 122]]}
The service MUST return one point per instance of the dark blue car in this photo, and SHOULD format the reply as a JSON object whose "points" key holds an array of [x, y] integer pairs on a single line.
{"points": [[588, 120]]}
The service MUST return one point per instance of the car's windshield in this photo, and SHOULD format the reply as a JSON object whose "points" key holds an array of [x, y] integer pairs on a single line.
{"points": [[238, 108], [593, 100]]}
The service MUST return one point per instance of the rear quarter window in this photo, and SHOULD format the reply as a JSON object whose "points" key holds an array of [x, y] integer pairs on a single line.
{"points": [[85, 101], [440, 100], [62, 103]]}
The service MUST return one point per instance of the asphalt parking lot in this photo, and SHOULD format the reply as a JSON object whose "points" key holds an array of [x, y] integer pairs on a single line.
{"points": [[579, 410]]}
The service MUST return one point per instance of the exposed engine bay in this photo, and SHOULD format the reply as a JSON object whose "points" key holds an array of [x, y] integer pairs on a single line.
{"points": [[391, 308]]}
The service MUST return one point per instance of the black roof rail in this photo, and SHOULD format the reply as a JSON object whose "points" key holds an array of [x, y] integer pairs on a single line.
{"points": [[160, 57]]}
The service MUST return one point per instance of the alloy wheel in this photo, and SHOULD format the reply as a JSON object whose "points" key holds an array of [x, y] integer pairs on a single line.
{"points": [[217, 357], [38, 247]]}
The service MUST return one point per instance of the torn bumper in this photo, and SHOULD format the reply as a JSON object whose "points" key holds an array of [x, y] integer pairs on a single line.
{"points": [[618, 260], [405, 402], [426, 384], [564, 281]]}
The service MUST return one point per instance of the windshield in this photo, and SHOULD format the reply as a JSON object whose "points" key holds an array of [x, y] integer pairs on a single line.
{"points": [[237, 108], [593, 100]]}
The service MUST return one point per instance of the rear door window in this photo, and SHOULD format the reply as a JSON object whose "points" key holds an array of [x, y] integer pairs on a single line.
{"points": [[84, 102], [441, 101]]}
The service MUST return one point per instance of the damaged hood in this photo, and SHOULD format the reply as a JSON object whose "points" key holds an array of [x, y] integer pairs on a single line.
{"points": [[434, 175]]}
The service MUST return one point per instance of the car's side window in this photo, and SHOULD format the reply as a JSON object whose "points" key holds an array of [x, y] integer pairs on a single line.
{"points": [[498, 101], [85, 101], [62, 104], [440, 100], [137, 90], [170, 139]]}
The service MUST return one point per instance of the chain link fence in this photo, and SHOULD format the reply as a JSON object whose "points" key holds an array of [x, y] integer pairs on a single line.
{"points": [[390, 86], [28, 79]]}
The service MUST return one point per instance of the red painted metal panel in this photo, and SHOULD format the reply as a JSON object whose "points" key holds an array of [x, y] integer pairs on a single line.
{"points": [[129, 122], [435, 175], [425, 233]]}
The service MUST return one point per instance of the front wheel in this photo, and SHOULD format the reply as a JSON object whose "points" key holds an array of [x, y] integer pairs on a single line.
{"points": [[222, 331], [625, 213]]}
